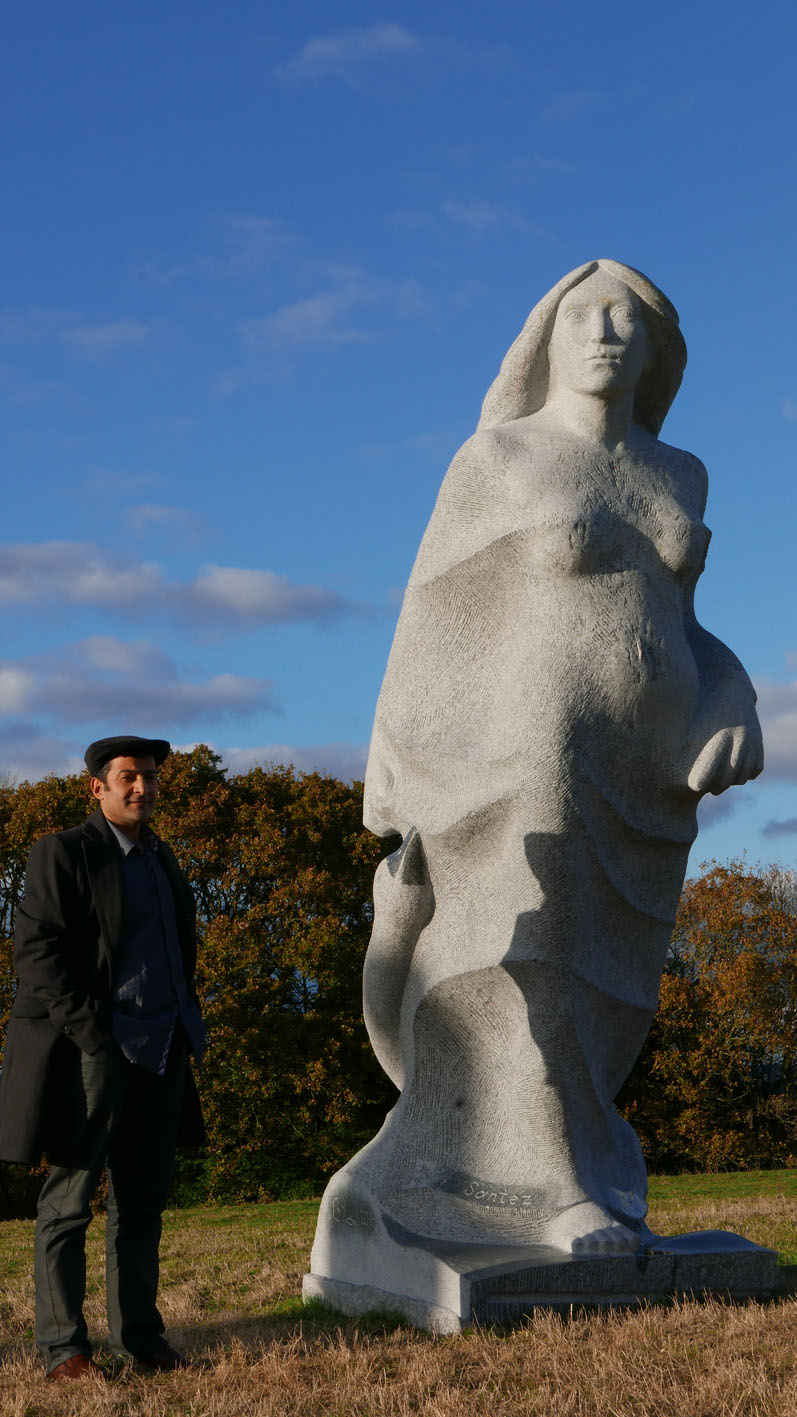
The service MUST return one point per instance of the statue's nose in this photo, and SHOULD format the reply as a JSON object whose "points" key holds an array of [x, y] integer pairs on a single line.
{"points": [[601, 326]]}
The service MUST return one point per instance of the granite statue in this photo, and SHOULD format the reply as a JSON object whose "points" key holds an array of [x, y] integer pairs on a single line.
{"points": [[551, 714]]}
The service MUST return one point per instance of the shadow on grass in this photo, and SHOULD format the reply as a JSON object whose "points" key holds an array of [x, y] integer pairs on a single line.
{"points": [[292, 1327], [315, 1322], [286, 1324], [291, 1318]]}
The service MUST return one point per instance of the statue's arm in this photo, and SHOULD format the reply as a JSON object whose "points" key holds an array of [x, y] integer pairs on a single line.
{"points": [[725, 743]]}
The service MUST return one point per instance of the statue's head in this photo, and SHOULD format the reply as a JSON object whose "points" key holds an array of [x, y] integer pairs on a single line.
{"points": [[523, 381]]}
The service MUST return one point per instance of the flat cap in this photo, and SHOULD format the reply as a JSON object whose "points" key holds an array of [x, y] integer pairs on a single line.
{"points": [[125, 746]]}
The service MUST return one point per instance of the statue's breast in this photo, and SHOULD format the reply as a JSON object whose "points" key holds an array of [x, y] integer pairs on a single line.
{"points": [[582, 541], [598, 537], [588, 514], [682, 542]]}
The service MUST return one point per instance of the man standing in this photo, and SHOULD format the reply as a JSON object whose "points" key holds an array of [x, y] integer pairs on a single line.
{"points": [[96, 1070]]}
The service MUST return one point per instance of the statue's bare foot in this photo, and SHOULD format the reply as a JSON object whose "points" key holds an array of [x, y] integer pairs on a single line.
{"points": [[588, 1229]]}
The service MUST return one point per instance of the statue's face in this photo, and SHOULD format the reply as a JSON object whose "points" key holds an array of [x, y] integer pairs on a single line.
{"points": [[599, 344]]}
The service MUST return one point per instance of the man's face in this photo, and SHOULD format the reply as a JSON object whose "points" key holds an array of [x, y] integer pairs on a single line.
{"points": [[128, 797]]}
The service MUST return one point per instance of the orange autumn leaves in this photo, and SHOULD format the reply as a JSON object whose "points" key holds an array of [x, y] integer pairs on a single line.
{"points": [[716, 1084]]}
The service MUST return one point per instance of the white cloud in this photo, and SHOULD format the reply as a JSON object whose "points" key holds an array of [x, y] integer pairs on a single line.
{"points": [[321, 319], [777, 708], [552, 164], [96, 341], [789, 410], [324, 319], [134, 658], [99, 583], [82, 698], [481, 217], [21, 392], [410, 218], [439, 447], [174, 425], [35, 323], [28, 753], [91, 341], [241, 246], [16, 686], [148, 515], [105, 680], [254, 242], [715, 809], [260, 595], [572, 105], [69, 572], [314, 321], [344, 55], [103, 479], [343, 760]]}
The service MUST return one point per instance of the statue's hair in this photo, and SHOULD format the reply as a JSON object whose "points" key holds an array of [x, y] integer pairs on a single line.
{"points": [[521, 386]]}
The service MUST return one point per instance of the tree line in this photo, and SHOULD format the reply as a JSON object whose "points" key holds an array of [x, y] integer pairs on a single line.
{"points": [[282, 870]]}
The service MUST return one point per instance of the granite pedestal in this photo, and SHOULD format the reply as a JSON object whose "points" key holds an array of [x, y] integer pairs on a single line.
{"points": [[445, 1287]]}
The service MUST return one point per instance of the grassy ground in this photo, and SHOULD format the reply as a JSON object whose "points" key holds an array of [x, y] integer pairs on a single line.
{"points": [[230, 1287]]}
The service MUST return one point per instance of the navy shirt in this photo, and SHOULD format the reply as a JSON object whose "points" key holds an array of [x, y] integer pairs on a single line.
{"points": [[149, 991]]}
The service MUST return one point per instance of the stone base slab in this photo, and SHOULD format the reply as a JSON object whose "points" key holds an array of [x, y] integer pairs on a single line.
{"points": [[446, 1288]]}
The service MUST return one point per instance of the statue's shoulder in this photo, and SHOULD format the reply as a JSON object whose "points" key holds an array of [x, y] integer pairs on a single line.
{"points": [[482, 444], [491, 461], [476, 504], [494, 445], [685, 467], [480, 458], [489, 437]]}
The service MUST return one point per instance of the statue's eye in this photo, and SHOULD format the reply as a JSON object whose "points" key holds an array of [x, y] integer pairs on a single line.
{"points": [[574, 314], [624, 312]]}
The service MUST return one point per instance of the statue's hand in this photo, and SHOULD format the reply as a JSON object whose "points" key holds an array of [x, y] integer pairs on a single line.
{"points": [[732, 756]]}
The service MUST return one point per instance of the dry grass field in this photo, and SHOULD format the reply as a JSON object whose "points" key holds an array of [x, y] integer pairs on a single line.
{"points": [[230, 1296]]}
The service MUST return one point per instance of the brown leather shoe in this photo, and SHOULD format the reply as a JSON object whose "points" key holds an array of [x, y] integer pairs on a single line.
{"points": [[78, 1366], [163, 1359]]}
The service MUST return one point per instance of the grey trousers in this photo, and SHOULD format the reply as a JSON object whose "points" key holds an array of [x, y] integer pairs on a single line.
{"points": [[130, 1126]]}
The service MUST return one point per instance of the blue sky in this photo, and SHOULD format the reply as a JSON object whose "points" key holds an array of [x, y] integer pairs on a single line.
{"points": [[260, 268]]}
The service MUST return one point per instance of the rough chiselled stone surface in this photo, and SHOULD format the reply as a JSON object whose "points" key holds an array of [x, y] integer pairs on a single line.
{"points": [[550, 716]]}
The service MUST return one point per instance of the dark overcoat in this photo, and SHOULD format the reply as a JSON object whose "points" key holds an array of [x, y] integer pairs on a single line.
{"points": [[68, 930]]}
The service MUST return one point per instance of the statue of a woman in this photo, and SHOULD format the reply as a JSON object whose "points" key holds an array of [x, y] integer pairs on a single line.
{"points": [[550, 716]]}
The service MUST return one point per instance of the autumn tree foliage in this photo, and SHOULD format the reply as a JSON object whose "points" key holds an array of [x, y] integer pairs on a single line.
{"points": [[715, 1087], [282, 870], [27, 812]]}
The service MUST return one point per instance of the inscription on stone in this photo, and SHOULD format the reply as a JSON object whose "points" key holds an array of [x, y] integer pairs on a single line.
{"points": [[357, 1217], [486, 1193]]}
